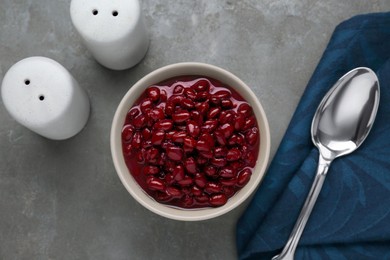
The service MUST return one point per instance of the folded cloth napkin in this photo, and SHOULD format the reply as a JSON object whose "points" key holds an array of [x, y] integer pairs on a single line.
{"points": [[351, 219]]}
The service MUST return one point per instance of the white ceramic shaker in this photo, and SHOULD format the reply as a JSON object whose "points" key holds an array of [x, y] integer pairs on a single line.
{"points": [[42, 95], [113, 31]]}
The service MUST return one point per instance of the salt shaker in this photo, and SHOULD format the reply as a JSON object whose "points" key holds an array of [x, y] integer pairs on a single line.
{"points": [[42, 95], [113, 31]]}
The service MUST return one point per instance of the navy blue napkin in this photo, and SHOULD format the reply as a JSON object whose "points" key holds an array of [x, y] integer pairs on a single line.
{"points": [[351, 219]]}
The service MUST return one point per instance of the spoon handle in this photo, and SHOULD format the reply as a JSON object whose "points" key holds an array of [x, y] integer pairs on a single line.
{"points": [[289, 248]]}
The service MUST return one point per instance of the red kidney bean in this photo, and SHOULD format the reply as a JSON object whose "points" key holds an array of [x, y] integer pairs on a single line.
{"points": [[165, 124], [245, 109], [187, 181], [227, 172], [239, 121], [244, 150], [181, 116], [151, 170], [213, 112], [190, 165], [210, 170], [163, 197], [218, 199], [227, 130], [202, 107], [202, 145], [178, 90], [187, 103], [226, 103], [206, 154], [127, 133], [186, 190], [169, 108], [187, 149], [169, 134], [233, 154], [236, 165], [252, 136], [243, 177], [228, 190], [169, 179], [153, 93], [157, 137], [189, 141], [188, 201], [151, 154], [163, 95], [240, 139], [128, 150], [208, 138], [169, 166], [166, 143], [251, 159], [196, 191], [181, 128], [200, 160], [149, 121], [190, 93], [140, 157], [220, 152], [175, 100], [155, 183], [222, 94], [200, 180], [161, 160], [156, 114], [219, 162], [233, 140], [226, 117], [197, 117], [178, 137], [209, 126], [146, 105], [201, 85], [193, 128], [212, 187], [133, 113], [202, 96], [228, 182], [178, 173], [139, 121], [203, 198], [220, 137], [137, 140], [175, 153], [173, 192], [146, 133], [215, 100], [249, 122]]}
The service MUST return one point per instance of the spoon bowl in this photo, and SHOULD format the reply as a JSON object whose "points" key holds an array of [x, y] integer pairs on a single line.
{"points": [[341, 123], [346, 114]]}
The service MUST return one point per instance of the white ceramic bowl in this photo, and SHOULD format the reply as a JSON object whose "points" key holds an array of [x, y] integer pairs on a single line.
{"points": [[181, 69]]}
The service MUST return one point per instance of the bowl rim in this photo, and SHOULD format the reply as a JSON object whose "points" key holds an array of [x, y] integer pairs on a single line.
{"points": [[181, 69]]}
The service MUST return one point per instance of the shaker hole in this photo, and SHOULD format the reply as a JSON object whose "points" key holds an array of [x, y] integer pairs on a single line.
{"points": [[41, 97], [95, 12], [27, 82], [115, 13]]}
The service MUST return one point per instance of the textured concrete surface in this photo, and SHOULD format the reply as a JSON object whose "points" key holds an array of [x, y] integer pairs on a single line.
{"points": [[63, 199]]}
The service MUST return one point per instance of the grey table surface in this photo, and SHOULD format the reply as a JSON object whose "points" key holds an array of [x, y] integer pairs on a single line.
{"points": [[63, 199]]}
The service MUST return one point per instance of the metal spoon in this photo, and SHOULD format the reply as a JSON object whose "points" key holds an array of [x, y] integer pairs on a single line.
{"points": [[340, 125]]}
